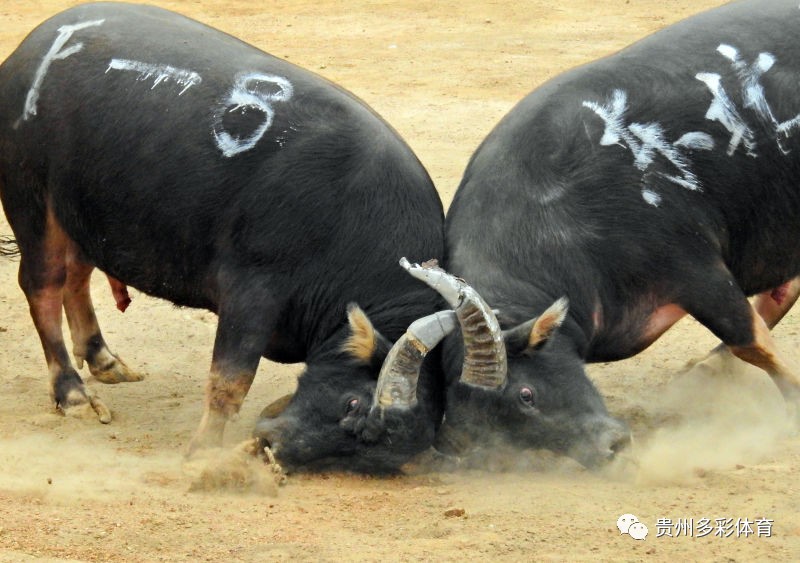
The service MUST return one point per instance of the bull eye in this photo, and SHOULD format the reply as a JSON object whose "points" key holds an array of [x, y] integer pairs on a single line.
{"points": [[352, 405], [526, 395]]}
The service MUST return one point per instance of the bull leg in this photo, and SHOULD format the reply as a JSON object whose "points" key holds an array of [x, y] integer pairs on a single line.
{"points": [[42, 276], [242, 336], [771, 306], [761, 352], [731, 317], [88, 342]]}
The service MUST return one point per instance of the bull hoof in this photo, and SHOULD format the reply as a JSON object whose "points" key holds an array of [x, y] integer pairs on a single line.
{"points": [[84, 404], [115, 372], [203, 441], [100, 408], [720, 360], [791, 394]]}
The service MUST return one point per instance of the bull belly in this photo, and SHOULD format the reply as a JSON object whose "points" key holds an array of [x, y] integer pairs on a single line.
{"points": [[634, 334], [165, 277]]}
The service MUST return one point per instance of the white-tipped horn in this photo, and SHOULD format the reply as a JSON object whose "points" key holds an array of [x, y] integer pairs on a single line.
{"points": [[446, 285], [397, 382], [485, 361]]}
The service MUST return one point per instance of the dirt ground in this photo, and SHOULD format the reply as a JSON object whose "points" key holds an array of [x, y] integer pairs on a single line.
{"points": [[707, 446]]}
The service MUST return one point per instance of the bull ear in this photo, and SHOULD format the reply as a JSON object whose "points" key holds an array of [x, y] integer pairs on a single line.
{"points": [[364, 344], [534, 334], [276, 408]]}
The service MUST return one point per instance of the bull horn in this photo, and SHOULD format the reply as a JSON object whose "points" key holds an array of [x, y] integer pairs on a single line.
{"points": [[397, 382], [485, 362]]}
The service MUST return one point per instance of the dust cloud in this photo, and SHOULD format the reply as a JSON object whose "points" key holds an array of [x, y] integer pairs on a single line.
{"points": [[45, 465], [718, 415], [721, 414]]}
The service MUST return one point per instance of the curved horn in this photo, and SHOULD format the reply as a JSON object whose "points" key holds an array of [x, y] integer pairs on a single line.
{"points": [[397, 382], [485, 360]]}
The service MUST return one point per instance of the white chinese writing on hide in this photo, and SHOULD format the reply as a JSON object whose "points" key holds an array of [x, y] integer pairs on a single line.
{"points": [[247, 93], [753, 97], [253, 90], [646, 141]]}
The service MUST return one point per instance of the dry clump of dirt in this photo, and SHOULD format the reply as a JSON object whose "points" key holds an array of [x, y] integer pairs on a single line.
{"points": [[240, 469]]}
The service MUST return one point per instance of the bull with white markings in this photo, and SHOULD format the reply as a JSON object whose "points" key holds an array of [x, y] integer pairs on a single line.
{"points": [[661, 181], [199, 169]]}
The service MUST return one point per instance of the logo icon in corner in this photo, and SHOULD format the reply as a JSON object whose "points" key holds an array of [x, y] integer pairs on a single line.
{"points": [[629, 524]]}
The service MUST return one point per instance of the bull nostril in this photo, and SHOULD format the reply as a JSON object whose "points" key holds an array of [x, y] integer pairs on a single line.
{"points": [[266, 432]]}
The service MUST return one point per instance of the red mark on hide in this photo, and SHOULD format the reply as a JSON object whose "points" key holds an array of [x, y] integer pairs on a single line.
{"points": [[779, 293]]}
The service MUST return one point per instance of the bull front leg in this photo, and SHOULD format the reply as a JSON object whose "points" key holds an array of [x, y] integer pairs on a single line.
{"points": [[242, 336], [761, 352]]}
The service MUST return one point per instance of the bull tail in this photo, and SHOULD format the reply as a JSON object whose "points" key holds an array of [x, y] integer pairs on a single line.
{"points": [[9, 247]]}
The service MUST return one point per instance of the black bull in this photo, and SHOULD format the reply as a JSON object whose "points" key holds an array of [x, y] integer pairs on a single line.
{"points": [[660, 181], [196, 168]]}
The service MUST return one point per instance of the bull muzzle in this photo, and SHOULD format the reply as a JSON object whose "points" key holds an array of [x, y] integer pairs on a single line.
{"points": [[604, 438], [268, 432]]}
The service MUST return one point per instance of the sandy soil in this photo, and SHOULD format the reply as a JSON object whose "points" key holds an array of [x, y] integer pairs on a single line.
{"points": [[443, 73]]}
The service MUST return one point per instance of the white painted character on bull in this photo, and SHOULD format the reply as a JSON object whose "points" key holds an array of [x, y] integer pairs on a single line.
{"points": [[754, 98], [55, 53], [723, 110], [162, 73], [247, 94], [646, 141], [753, 93]]}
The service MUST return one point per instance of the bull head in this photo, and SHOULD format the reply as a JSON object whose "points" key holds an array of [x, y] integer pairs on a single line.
{"points": [[351, 432], [510, 388]]}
